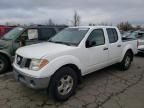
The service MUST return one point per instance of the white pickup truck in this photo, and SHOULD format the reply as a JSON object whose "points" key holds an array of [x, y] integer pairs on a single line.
{"points": [[60, 63]]}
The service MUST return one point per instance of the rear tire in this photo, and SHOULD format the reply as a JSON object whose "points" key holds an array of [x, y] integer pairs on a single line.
{"points": [[126, 62], [63, 84], [3, 64]]}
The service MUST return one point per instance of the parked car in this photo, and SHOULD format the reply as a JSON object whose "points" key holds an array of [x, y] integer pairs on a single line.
{"points": [[21, 36], [5, 29], [139, 35], [74, 52], [126, 34]]}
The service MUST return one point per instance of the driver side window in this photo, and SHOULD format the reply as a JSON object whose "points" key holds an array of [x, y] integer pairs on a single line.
{"points": [[24, 35], [97, 37]]}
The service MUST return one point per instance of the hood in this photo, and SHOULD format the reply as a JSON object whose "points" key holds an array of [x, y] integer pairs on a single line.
{"points": [[42, 49]]}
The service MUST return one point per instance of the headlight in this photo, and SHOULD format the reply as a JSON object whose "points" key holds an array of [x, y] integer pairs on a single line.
{"points": [[37, 64]]}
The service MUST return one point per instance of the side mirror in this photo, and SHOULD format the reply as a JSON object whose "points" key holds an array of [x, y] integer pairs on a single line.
{"points": [[90, 44]]}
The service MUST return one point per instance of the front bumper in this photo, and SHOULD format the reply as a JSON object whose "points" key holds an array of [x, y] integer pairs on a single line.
{"points": [[35, 83]]}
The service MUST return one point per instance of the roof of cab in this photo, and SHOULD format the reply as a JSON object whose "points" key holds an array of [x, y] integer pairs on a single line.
{"points": [[93, 27], [45, 26]]}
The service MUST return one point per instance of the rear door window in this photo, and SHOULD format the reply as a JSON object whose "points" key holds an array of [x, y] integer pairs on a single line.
{"points": [[112, 35], [46, 33]]}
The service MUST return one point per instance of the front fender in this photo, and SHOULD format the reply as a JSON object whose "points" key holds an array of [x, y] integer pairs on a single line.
{"points": [[57, 63]]}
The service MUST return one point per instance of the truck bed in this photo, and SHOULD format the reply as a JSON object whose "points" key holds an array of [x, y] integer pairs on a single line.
{"points": [[125, 39], [130, 42]]}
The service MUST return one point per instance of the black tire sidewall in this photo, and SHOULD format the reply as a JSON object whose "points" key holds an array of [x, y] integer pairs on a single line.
{"points": [[128, 54], [5, 64], [57, 76]]}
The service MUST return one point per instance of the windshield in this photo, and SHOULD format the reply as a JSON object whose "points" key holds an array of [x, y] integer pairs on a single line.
{"points": [[13, 33], [70, 36]]}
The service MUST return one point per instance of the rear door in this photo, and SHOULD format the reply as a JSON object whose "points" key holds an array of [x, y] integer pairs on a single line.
{"points": [[115, 47]]}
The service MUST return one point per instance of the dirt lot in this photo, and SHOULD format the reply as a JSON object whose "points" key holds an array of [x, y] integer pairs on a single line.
{"points": [[108, 88]]}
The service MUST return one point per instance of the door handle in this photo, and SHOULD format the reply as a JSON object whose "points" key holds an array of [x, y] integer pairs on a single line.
{"points": [[118, 45], [105, 48]]}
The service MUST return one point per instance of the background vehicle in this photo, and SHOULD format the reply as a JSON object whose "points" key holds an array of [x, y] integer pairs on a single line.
{"points": [[5, 29], [126, 34], [74, 52], [21, 36], [139, 35]]}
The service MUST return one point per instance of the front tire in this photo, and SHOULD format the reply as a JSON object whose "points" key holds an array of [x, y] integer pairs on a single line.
{"points": [[3, 64], [63, 83], [126, 62]]}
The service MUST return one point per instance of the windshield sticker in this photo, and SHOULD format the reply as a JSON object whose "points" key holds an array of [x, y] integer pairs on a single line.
{"points": [[32, 34]]}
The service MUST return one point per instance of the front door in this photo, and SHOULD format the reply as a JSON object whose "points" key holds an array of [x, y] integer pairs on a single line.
{"points": [[97, 52]]}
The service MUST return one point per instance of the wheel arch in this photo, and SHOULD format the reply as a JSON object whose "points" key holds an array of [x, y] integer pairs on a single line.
{"points": [[6, 56], [75, 68], [127, 48], [126, 51]]}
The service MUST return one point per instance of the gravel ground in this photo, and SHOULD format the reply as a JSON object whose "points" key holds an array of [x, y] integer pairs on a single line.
{"points": [[107, 88]]}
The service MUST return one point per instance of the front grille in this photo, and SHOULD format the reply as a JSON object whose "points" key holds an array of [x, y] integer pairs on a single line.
{"points": [[27, 63], [23, 62]]}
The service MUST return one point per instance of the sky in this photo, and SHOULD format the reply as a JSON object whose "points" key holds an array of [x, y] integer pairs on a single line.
{"points": [[62, 11]]}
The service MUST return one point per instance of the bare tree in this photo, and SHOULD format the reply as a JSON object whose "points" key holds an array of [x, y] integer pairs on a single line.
{"points": [[91, 24], [125, 26], [8, 23], [76, 19], [51, 22], [100, 24]]}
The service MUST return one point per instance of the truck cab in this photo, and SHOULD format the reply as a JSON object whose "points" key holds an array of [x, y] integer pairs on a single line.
{"points": [[23, 36]]}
